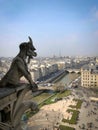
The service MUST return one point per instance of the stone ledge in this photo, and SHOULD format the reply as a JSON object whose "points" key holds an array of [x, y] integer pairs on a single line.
{"points": [[12, 106], [9, 95], [9, 90]]}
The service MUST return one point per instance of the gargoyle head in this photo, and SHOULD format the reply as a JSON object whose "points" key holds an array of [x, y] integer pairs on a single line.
{"points": [[29, 49]]}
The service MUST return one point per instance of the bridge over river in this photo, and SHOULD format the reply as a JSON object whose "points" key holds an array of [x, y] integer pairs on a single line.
{"points": [[73, 70]]}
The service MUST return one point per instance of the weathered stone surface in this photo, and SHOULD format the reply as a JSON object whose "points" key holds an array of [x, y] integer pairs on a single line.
{"points": [[5, 92], [12, 92], [12, 107], [9, 95]]}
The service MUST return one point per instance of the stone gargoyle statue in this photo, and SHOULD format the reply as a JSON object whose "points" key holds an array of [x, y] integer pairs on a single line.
{"points": [[19, 66]]}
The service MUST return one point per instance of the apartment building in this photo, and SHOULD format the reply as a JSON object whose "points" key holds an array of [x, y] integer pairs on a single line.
{"points": [[89, 76]]}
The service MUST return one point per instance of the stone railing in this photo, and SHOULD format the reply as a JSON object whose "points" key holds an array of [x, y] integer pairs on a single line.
{"points": [[12, 106]]}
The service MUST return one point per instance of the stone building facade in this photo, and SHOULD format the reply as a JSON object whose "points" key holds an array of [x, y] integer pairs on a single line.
{"points": [[89, 76]]}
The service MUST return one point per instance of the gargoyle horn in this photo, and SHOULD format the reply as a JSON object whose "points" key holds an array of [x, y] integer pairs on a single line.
{"points": [[30, 40]]}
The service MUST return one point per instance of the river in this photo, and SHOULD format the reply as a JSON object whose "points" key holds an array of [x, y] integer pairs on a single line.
{"points": [[68, 78]]}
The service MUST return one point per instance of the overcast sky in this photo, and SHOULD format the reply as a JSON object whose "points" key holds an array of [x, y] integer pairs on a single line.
{"points": [[66, 27]]}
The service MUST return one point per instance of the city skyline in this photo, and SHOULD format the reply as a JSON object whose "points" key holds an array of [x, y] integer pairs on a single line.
{"points": [[57, 27]]}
